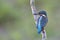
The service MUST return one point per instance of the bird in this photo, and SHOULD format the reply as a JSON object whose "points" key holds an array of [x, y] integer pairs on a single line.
{"points": [[42, 21]]}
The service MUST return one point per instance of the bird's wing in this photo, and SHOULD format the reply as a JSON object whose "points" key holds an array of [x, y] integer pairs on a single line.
{"points": [[43, 21]]}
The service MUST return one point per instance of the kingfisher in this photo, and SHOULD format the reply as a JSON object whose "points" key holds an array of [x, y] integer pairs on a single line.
{"points": [[40, 18], [41, 21]]}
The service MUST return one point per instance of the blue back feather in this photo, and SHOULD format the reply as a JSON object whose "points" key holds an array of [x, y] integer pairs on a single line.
{"points": [[39, 28]]}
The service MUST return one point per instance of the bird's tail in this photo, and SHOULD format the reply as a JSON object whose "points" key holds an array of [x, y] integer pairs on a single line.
{"points": [[39, 29]]}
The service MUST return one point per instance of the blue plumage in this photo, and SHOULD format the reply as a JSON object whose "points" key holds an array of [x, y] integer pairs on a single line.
{"points": [[41, 22]]}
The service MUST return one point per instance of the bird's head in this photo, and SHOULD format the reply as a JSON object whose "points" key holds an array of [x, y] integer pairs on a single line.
{"points": [[43, 12]]}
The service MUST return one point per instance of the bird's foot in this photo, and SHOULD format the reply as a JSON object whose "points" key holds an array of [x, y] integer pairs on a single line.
{"points": [[44, 36]]}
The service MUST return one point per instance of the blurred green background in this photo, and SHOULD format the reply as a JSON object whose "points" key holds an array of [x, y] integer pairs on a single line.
{"points": [[17, 22]]}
